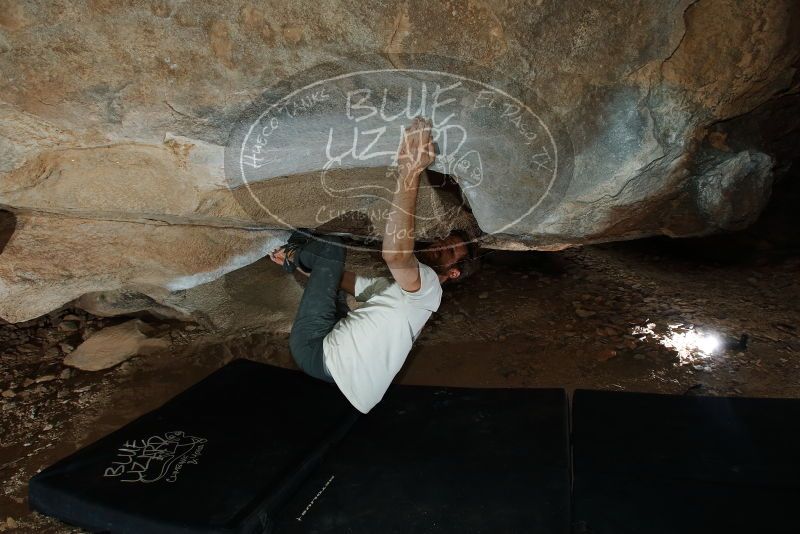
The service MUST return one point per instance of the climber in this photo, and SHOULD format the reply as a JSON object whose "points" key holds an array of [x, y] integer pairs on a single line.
{"points": [[361, 351]]}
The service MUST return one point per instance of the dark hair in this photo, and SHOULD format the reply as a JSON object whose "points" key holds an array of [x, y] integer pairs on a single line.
{"points": [[471, 264]]}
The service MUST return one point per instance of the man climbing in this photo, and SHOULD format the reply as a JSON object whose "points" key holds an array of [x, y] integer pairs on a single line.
{"points": [[363, 350]]}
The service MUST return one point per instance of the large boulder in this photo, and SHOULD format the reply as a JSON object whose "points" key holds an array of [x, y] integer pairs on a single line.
{"points": [[125, 129], [49, 261]]}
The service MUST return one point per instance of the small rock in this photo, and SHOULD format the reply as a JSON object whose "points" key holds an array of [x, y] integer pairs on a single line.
{"points": [[113, 345], [47, 427], [584, 314], [606, 355], [191, 327], [66, 348], [68, 326], [10, 523], [45, 378], [66, 373], [70, 317], [483, 295], [27, 382], [8, 394]]}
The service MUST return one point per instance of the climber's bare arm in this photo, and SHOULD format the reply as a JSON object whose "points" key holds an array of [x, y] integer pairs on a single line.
{"points": [[415, 154]]}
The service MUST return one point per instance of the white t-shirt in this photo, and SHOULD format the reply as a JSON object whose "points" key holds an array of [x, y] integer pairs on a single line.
{"points": [[366, 349]]}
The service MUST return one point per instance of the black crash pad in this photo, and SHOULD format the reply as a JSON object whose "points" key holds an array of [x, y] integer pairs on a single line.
{"points": [[658, 464], [219, 457], [444, 460]]}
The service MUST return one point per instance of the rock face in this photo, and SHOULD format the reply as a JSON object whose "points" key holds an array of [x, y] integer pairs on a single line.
{"points": [[126, 130], [258, 296], [49, 261]]}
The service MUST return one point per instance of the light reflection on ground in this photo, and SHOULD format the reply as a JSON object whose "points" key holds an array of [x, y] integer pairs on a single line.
{"points": [[690, 344]]}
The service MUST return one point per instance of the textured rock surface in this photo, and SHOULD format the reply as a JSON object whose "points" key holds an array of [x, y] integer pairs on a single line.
{"points": [[258, 296], [112, 346], [49, 261], [115, 118]]}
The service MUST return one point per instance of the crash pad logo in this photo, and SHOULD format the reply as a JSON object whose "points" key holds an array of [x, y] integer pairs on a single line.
{"points": [[155, 458]]}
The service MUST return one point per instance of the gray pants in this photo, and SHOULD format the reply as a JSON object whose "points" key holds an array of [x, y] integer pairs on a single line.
{"points": [[321, 306]]}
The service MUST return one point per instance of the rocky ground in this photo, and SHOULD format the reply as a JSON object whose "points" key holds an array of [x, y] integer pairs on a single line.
{"points": [[625, 317]]}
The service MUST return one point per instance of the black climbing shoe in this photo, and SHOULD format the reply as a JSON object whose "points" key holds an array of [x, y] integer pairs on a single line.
{"points": [[296, 242]]}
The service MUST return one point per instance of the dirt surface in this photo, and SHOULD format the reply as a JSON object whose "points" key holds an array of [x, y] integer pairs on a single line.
{"points": [[622, 317]]}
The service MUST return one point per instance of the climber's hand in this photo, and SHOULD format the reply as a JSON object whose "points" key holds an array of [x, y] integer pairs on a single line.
{"points": [[416, 151]]}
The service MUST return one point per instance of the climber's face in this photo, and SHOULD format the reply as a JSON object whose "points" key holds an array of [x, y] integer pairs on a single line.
{"points": [[443, 256]]}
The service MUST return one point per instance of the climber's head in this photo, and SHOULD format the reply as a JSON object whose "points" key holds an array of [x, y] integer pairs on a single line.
{"points": [[453, 257]]}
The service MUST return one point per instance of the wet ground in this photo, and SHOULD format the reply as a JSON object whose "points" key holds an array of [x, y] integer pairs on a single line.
{"points": [[635, 316]]}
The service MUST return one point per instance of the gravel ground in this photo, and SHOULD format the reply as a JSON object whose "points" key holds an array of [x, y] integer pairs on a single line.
{"points": [[622, 317]]}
